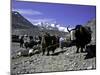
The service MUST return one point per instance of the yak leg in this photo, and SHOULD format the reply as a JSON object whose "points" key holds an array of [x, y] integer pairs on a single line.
{"points": [[77, 50], [48, 51], [82, 49], [53, 49], [43, 51]]}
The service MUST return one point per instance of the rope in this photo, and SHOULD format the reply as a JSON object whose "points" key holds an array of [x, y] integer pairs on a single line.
{"points": [[51, 46]]}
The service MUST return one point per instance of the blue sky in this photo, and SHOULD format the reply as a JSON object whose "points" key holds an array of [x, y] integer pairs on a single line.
{"points": [[64, 14]]}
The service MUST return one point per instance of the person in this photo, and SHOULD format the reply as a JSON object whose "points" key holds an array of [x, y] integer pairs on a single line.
{"points": [[26, 41], [21, 40], [36, 39], [61, 42], [31, 43]]}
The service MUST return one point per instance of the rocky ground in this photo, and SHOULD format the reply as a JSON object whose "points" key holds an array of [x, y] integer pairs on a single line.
{"points": [[65, 59]]}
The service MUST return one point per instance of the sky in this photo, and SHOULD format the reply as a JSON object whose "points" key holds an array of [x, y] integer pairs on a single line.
{"points": [[63, 14]]}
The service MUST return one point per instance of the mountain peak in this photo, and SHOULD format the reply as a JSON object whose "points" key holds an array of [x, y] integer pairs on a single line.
{"points": [[19, 22]]}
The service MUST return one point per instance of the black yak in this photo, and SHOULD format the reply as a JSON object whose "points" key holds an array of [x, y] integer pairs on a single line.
{"points": [[82, 36], [49, 43]]}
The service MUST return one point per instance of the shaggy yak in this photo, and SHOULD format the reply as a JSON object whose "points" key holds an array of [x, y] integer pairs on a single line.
{"points": [[49, 43], [82, 36]]}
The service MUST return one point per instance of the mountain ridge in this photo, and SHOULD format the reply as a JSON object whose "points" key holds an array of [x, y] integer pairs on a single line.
{"points": [[19, 22]]}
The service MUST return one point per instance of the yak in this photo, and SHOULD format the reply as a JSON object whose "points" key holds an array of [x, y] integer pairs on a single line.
{"points": [[82, 36], [49, 43]]}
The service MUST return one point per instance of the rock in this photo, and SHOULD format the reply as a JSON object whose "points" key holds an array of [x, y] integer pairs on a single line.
{"points": [[89, 67]]}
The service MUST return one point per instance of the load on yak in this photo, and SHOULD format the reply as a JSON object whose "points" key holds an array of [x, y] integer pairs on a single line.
{"points": [[80, 36]]}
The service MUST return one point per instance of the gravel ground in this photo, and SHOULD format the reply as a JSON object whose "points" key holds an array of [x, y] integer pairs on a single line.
{"points": [[63, 60]]}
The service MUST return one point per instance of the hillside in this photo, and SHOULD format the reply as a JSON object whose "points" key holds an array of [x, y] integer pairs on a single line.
{"points": [[92, 25], [19, 22]]}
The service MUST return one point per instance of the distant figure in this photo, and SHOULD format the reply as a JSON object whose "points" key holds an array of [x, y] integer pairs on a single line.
{"points": [[31, 43], [61, 42], [36, 39], [26, 41], [21, 40]]}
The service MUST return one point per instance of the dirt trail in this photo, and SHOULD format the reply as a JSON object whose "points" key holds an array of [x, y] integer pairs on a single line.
{"points": [[62, 60]]}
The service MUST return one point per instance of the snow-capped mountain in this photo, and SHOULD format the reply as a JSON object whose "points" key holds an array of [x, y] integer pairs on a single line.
{"points": [[51, 26], [19, 22]]}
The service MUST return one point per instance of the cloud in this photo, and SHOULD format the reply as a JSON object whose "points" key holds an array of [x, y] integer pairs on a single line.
{"points": [[57, 26], [62, 29], [28, 11], [52, 25]]}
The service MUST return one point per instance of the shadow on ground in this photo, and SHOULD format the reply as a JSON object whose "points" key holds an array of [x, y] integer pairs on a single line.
{"points": [[91, 51], [57, 53]]}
